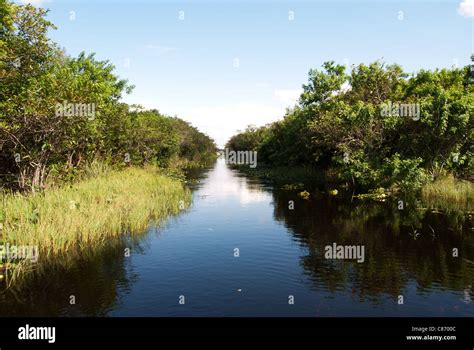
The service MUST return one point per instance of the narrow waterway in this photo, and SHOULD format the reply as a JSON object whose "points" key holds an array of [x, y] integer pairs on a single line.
{"points": [[245, 249]]}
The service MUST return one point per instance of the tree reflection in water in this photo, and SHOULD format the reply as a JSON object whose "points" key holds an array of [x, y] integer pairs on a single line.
{"points": [[400, 245]]}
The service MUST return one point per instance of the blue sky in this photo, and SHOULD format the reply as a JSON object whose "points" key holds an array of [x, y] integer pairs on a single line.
{"points": [[225, 64]]}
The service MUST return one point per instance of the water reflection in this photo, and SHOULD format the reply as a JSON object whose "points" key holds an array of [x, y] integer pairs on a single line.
{"points": [[403, 248], [224, 184], [86, 286], [407, 252]]}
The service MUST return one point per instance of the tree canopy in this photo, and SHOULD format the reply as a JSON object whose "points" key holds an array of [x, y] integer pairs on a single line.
{"points": [[57, 112], [375, 125]]}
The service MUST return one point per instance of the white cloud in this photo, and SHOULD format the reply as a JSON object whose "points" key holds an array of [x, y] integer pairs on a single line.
{"points": [[346, 87], [466, 8], [262, 85], [221, 186], [34, 2], [161, 50], [287, 96], [221, 122]]}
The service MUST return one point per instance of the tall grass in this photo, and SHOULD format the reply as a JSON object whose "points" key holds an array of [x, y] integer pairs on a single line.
{"points": [[67, 220], [449, 194]]}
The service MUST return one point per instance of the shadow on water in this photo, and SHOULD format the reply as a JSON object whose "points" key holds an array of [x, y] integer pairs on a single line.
{"points": [[86, 284], [82, 286]]}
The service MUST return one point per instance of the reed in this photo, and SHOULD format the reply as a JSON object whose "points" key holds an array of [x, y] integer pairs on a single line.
{"points": [[449, 194], [66, 220]]}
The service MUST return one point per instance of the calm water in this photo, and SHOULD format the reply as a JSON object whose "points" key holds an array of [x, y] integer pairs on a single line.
{"points": [[407, 253]]}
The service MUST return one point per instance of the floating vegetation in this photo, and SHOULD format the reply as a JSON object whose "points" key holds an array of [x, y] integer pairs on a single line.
{"points": [[379, 194], [293, 186], [305, 195]]}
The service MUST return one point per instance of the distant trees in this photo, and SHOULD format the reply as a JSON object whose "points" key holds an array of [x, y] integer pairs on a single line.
{"points": [[250, 139], [375, 126], [42, 95]]}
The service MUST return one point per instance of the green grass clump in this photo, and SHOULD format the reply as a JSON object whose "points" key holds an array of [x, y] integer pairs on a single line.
{"points": [[449, 194], [63, 221]]}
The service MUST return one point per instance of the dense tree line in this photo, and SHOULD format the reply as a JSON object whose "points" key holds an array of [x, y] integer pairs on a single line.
{"points": [[374, 126], [58, 113]]}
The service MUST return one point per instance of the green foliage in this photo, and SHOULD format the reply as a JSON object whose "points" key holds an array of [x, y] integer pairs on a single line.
{"points": [[375, 126], [38, 139], [449, 194], [405, 174], [65, 222], [248, 140]]}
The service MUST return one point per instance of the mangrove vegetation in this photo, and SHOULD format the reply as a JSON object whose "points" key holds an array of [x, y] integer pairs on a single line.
{"points": [[374, 126], [79, 167]]}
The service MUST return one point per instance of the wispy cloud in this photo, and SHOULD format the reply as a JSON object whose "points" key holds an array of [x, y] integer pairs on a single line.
{"points": [[466, 8], [223, 121], [36, 3], [262, 85], [161, 50], [287, 96]]}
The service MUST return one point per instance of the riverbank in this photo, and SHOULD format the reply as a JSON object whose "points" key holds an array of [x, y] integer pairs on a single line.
{"points": [[445, 193], [90, 213], [286, 177], [280, 245], [450, 194]]}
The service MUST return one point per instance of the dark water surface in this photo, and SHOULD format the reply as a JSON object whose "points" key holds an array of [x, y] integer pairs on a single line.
{"points": [[281, 253]]}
